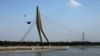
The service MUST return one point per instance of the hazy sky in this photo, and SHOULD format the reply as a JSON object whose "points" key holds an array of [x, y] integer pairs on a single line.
{"points": [[63, 20]]}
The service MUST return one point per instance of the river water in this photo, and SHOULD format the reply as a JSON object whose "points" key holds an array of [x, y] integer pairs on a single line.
{"points": [[72, 51]]}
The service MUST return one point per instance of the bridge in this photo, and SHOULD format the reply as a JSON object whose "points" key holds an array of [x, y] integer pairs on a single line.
{"points": [[55, 30]]}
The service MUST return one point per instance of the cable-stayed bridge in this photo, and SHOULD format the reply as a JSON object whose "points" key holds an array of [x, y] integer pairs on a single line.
{"points": [[50, 30]]}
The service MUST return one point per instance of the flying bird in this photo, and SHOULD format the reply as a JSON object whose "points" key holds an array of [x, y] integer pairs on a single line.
{"points": [[29, 22], [24, 15]]}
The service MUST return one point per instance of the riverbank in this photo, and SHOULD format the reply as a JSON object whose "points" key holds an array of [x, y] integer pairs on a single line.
{"points": [[31, 48]]}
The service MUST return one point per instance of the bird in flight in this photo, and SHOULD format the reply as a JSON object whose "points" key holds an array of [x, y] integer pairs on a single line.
{"points": [[29, 22]]}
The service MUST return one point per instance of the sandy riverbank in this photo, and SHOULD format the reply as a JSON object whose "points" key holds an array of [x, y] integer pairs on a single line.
{"points": [[31, 48]]}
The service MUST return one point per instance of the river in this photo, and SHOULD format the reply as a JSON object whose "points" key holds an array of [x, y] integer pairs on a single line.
{"points": [[72, 51]]}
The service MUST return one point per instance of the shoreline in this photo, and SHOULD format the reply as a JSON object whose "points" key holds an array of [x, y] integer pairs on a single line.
{"points": [[31, 48]]}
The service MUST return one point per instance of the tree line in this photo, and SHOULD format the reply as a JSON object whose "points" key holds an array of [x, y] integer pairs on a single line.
{"points": [[61, 43]]}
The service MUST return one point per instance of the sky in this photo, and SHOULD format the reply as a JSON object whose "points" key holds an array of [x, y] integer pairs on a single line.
{"points": [[63, 20]]}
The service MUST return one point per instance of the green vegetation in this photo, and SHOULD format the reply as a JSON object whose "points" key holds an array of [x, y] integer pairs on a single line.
{"points": [[27, 43]]}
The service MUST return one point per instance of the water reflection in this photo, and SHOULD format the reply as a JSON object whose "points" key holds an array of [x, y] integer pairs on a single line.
{"points": [[83, 48], [38, 53], [5, 54]]}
